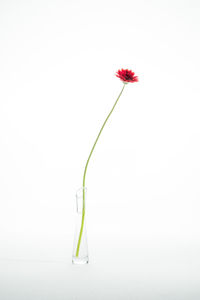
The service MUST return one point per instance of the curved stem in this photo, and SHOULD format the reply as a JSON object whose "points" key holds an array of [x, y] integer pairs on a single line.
{"points": [[84, 175]]}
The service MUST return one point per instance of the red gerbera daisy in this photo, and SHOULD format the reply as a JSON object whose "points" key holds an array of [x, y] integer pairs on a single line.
{"points": [[126, 75]]}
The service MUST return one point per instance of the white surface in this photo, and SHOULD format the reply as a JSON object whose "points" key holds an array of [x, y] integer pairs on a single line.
{"points": [[160, 268], [57, 65]]}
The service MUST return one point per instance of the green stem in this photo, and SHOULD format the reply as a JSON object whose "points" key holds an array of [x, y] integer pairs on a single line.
{"points": [[83, 211]]}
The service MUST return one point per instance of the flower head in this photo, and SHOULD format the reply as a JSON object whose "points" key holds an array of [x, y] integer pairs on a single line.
{"points": [[126, 75]]}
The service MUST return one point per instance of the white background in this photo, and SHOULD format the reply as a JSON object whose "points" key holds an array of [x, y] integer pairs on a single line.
{"points": [[57, 83]]}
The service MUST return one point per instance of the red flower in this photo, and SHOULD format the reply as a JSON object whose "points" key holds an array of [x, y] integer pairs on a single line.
{"points": [[126, 75]]}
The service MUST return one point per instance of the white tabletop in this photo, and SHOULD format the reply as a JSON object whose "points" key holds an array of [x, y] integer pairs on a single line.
{"points": [[150, 268]]}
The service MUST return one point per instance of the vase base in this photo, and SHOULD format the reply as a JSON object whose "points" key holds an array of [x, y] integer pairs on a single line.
{"points": [[80, 261]]}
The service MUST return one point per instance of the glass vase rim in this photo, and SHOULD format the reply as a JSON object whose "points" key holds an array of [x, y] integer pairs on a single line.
{"points": [[80, 190]]}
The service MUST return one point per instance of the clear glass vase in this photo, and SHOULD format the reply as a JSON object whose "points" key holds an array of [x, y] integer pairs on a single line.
{"points": [[80, 247]]}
